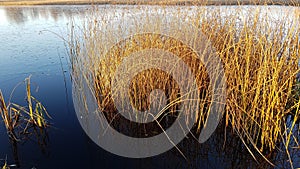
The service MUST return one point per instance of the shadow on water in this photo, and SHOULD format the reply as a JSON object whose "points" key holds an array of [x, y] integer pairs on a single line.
{"points": [[38, 136], [223, 150]]}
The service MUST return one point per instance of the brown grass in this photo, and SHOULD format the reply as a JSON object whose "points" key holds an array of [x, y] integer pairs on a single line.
{"points": [[260, 61]]}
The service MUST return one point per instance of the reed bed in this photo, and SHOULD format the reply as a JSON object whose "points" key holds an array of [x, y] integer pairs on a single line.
{"points": [[262, 63], [260, 57]]}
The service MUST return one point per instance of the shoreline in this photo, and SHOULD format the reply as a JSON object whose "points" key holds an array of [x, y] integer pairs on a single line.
{"points": [[148, 2]]}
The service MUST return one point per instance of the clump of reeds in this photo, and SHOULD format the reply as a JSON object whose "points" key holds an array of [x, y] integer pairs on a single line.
{"points": [[261, 65], [18, 119], [260, 59]]}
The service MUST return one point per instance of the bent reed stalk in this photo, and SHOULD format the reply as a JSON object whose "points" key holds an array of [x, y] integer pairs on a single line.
{"points": [[260, 55]]}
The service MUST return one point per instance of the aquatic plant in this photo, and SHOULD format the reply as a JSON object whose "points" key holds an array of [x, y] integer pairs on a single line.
{"points": [[10, 116], [23, 122], [260, 60], [37, 112], [19, 118]]}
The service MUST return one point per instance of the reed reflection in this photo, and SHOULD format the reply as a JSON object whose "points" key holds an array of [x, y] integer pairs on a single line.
{"points": [[21, 15]]}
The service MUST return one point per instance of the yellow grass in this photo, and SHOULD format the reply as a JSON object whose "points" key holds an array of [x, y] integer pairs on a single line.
{"points": [[260, 61], [17, 117], [260, 78]]}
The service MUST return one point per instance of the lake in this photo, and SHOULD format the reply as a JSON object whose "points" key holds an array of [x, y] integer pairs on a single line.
{"points": [[32, 43]]}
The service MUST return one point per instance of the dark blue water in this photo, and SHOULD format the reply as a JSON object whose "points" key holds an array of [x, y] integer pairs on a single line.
{"points": [[32, 43]]}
